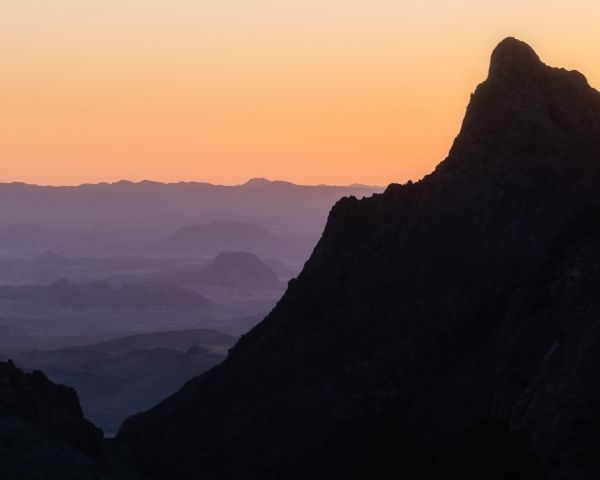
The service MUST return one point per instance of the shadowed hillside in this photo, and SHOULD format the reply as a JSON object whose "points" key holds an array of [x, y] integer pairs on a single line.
{"points": [[43, 434], [443, 329]]}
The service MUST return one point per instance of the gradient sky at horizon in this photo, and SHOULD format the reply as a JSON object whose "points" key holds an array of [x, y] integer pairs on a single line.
{"points": [[310, 91]]}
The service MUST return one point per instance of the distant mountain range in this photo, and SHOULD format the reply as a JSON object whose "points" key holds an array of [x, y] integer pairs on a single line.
{"points": [[152, 219], [281, 206]]}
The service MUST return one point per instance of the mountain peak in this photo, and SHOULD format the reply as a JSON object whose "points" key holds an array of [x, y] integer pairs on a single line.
{"points": [[257, 182], [525, 108], [463, 278], [514, 58]]}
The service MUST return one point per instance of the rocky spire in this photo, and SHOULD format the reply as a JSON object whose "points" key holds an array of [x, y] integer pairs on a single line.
{"points": [[514, 58]]}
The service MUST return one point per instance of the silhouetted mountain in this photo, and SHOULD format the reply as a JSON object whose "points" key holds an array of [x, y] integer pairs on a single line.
{"points": [[239, 270], [43, 434], [52, 408], [444, 329], [100, 295], [233, 271], [260, 182], [215, 237]]}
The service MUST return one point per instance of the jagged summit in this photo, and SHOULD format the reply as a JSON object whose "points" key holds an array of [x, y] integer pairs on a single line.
{"points": [[43, 431], [525, 109], [513, 57]]}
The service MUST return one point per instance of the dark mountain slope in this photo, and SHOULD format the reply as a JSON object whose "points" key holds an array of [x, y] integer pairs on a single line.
{"points": [[43, 434], [422, 313]]}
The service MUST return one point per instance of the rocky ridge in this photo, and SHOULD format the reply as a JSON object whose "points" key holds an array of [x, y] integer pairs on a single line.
{"points": [[443, 329]]}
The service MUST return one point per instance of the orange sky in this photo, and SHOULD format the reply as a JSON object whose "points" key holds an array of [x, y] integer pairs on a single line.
{"points": [[311, 91]]}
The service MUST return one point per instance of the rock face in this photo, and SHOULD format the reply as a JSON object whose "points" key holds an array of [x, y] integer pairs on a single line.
{"points": [[443, 329], [33, 398], [42, 430]]}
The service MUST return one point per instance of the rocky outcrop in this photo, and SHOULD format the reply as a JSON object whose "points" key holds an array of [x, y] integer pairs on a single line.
{"points": [[447, 328], [43, 434], [52, 408]]}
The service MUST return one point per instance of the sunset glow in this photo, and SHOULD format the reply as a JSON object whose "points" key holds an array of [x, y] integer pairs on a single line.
{"points": [[309, 91]]}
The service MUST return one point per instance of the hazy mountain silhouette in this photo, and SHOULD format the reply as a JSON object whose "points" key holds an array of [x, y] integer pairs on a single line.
{"points": [[447, 328], [127, 219], [239, 270], [43, 434], [242, 271], [283, 206]]}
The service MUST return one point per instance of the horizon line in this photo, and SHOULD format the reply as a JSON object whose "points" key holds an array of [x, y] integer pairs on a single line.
{"points": [[254, 181]]}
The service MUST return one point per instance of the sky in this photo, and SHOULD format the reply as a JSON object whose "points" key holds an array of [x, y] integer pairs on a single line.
{"points": [[309, 91]]}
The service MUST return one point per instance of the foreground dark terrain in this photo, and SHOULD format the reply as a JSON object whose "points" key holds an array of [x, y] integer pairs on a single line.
{"points": [[43, 434], [127, 375], [435, 326], [446, 329]]}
